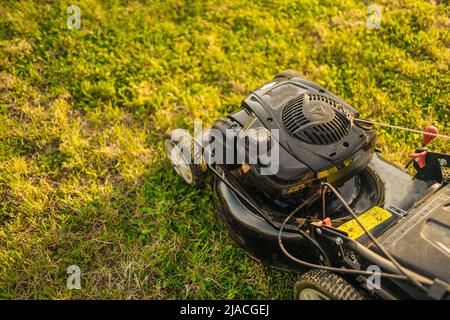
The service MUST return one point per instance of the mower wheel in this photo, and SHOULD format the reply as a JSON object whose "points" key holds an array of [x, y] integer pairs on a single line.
{"points": [[324, 285], [185, 156]]}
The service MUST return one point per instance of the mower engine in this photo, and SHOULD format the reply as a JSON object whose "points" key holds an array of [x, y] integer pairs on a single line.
{"points": [[317, 136]]}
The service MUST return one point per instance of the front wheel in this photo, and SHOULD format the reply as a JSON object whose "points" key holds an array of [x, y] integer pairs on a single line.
{"points": [[324, 285], [185, 156]]}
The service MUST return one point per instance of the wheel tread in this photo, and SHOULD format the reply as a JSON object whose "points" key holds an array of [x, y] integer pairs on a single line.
{"points": [[329, 283]]}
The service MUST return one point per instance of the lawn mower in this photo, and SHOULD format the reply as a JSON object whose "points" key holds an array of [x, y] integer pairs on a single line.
{"points": [[300, 184]]}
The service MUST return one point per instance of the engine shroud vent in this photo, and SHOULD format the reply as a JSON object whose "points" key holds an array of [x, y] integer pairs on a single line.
{"points": [[316, 119]]}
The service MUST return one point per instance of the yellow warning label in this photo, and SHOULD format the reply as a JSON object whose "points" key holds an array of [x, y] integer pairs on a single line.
{"points": [[327, 172], [348, 162], [369, 219]]}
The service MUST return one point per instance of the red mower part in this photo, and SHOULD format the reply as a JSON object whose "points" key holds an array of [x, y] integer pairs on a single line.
{"points": [[427, 138], [419, 158], [326, 222]]}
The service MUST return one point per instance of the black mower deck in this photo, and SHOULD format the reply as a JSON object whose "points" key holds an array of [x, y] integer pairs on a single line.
{"points": [[422, 240]]}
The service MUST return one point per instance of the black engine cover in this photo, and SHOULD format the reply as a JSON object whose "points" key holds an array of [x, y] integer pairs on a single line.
{"points": [[315, 126]]}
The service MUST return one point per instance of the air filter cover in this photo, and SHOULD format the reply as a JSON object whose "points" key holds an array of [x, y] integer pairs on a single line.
{"points": [[316, 119]]}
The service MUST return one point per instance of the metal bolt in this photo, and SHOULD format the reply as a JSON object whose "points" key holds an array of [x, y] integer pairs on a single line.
{"points": [[339, 241], [318, 231], [321, 258]]}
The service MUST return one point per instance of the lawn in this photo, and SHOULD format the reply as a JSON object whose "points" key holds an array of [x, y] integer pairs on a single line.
{"points": [[83, 179]]}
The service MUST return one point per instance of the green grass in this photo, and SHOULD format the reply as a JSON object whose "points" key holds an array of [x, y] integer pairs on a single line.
{"points": [[83, 179]]}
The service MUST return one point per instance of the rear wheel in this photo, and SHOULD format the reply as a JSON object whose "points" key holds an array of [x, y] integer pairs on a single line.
{"points": [[324, 285]]}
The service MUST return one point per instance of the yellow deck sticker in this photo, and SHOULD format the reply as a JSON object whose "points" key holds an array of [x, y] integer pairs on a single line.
{"points": [[369, 219]]}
